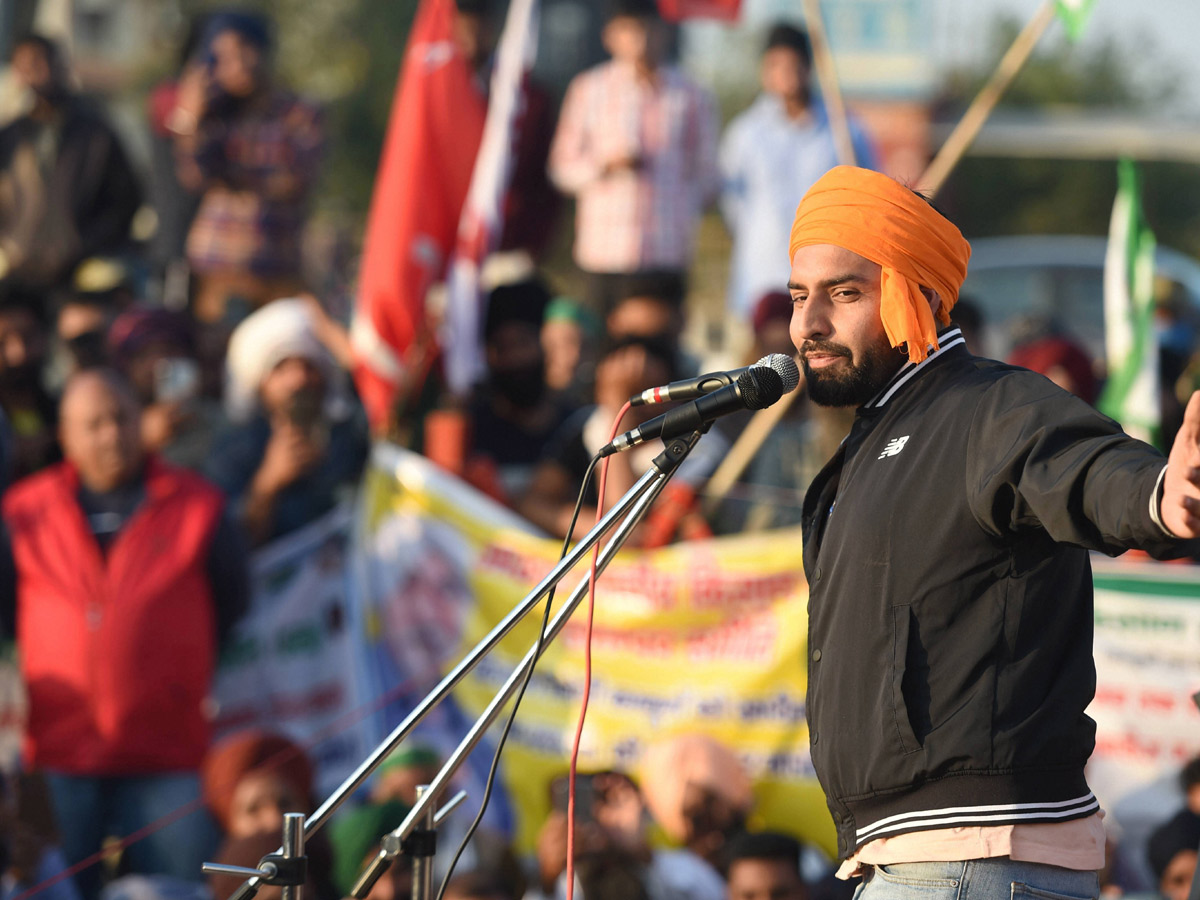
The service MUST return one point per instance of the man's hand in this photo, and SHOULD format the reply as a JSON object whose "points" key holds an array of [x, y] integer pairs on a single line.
{"points": [[191, 99], [290, 453], [620, 375], [1180, 508]]}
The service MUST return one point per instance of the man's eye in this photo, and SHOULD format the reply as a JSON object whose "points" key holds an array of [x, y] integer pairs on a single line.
{"points": [[798, 298], [845, 294]]}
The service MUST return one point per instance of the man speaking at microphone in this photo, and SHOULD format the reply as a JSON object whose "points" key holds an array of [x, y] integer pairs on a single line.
{"points": [[946, 548]]}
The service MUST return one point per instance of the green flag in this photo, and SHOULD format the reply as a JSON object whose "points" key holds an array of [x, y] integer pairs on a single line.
{"points": [[1131, 346], [1074, 15]]}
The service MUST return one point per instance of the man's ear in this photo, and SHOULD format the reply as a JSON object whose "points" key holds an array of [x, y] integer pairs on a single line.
{"points": [[934, 298]]}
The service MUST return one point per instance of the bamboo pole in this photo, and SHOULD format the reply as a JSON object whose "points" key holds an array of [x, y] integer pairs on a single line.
{"points": [[744, 449], [985, 101], [751, 439], [830, 88]]}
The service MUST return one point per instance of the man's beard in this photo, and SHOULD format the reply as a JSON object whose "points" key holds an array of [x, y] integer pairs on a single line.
{"points": [[852, 385]]}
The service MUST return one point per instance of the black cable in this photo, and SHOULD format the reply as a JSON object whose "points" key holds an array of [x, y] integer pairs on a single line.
{"points": [[537, 652]]}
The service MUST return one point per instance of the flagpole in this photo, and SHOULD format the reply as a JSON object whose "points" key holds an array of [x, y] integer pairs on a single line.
{"points": [[750, 441], [981, 107], [831, 90]]}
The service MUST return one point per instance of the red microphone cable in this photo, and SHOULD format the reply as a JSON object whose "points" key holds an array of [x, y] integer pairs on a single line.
{"points": [[587, 667]]}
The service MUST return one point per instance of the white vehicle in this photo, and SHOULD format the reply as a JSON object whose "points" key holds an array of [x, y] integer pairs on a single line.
{"points": [[1011, 279]]}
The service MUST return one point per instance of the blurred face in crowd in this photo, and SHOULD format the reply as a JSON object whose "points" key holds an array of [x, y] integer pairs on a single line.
{"points": [[401, 782], [22, 348], [1177, 878], [765, 879], [99, 430], [562, 343], [292, 379], [774, 337], [784, 74], [516, 364], [237, 67], [34, 69], [836, 327], [144, 368], [259, 802], [645, 317], [632, 40]]}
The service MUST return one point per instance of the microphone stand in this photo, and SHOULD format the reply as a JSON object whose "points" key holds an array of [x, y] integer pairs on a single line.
{"points": [[633, 506]]}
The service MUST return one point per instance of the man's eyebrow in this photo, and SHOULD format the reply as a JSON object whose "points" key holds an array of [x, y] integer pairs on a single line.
{"points": [[831, 282]]}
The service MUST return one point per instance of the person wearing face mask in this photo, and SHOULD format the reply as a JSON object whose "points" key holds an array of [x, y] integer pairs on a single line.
{"points": [[253, 150], [295, 442], [513, 412], [67, 189]]}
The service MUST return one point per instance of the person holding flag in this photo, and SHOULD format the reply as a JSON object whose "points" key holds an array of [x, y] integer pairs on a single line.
{"points": [[946, 545]]}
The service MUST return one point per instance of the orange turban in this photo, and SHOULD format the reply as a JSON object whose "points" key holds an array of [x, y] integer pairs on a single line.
{"points": [[233, 758], [878, 218]]}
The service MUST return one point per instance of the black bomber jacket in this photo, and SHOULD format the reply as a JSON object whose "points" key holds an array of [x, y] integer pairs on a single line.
{"points": [[950, 596]]}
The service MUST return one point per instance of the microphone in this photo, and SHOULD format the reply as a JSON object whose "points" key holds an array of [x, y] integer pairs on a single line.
{"points": [[756, 388], [690, 388]]}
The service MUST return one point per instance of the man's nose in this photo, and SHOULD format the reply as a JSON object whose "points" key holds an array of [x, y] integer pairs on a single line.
{"points": [[810, 321]]}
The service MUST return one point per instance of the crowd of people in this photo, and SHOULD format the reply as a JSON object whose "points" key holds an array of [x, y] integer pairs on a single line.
{"points": [[170, 403]]}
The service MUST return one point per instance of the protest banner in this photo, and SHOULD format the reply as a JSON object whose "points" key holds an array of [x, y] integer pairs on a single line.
{"points": [[700, 637], [290, 665], [1147, 650]]}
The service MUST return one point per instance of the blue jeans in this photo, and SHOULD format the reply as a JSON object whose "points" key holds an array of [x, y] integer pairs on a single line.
{"points": [[90, 809], [976, 879]]}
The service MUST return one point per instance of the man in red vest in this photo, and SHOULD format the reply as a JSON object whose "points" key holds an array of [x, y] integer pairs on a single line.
{"points": [[125, 575]]}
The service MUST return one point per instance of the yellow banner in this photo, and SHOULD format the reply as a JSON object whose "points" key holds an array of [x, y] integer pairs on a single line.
{"points": [[700, 637]]}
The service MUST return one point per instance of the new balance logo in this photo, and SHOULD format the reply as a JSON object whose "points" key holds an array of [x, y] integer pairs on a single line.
{"points": [[894, 446]]}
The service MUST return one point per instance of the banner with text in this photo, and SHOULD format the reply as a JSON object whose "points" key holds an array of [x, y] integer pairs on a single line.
{"points": [[290, 664], [706, 636], [701, 637], [1147, 667]]}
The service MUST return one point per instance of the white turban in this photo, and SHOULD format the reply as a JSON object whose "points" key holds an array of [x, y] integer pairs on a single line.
{"points": [[283, 329]]}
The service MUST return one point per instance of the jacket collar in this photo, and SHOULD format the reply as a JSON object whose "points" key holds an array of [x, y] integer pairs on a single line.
{"points": [[154, 474], [947, 339]]}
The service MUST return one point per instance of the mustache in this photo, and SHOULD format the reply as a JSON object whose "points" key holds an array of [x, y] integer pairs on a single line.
{"points": [[824, 348]]}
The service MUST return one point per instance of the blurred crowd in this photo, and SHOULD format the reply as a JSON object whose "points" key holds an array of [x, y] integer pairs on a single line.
{"points": [[171, 401]]}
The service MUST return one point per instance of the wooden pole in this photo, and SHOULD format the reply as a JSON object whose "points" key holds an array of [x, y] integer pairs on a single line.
{"points": [[981, 107], [827, 77], [744, 449]]}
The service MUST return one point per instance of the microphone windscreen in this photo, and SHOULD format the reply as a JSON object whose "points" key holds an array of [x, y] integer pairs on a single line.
{"points": [[785, 367], [759, 387]]}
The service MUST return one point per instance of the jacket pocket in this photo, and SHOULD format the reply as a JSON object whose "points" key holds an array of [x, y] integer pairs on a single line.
{"points": [[910, 688]]}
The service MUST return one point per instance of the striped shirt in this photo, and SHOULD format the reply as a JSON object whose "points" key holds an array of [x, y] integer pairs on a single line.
{"points": [[644, 218]]}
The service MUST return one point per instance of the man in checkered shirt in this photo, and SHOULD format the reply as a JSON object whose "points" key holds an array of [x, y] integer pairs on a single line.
{"points": [[636, 145]]}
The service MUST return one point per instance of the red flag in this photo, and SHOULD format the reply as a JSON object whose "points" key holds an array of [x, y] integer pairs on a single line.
{"points": [[424, 172], [480, 226], [678, 10]]}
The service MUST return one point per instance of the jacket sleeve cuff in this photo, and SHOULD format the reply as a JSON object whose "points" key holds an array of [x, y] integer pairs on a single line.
{"points": [[1156, 497]]}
